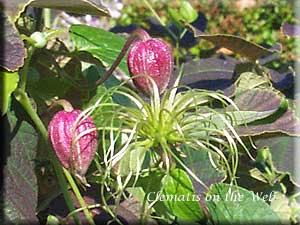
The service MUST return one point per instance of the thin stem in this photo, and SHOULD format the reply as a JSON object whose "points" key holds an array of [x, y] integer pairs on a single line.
{"points": [[138, 33], [79, 197], [160, 21], [63, 103], [81, 209], [23, 99], [177, 53], [24, 70], [47, 17]]}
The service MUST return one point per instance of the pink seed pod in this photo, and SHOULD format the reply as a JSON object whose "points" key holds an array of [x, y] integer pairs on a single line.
{"points": [[152, 57], [74, 139]]}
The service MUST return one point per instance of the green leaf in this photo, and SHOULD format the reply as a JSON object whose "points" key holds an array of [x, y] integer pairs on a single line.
{"points": [[132, 160], [98, 114], [102, 44], [52, 220], [13, 54], [180, 197], [20, 184], [185, 13], [199, 162], [282, 149], [234, 43], [281, 205], [151, 187], [9, 82], [249, 80], [235, 205], [94, 73], [47, 87], [13, 51]]}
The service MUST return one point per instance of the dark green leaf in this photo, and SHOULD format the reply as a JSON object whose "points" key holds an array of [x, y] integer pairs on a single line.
{"points": [[20, 185], [98, 114], [235, 205], [48, 87], [102, 44], [151, 187], [234, 43], [180, 198]]}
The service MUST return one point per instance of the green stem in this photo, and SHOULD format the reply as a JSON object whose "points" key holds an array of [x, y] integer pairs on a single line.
{"points": [[47, 17], [23, 99], [138, 33], [79, 197], [160, 21], [63, 103], [24, 70], [177, 54]]}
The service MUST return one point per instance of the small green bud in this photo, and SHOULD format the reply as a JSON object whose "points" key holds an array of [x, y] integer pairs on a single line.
{"points": [[39, 39]]}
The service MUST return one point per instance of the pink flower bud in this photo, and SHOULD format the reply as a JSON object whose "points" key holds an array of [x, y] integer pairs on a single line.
{"points": [[74, 140], [151, 57]]}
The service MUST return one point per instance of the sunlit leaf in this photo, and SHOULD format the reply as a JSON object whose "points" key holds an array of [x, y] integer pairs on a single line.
{"points": [[8, 83], [280, 205], [235, 205], [132, 160], [14, 8], [234, 43], [102, 44], [186, 206]]}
